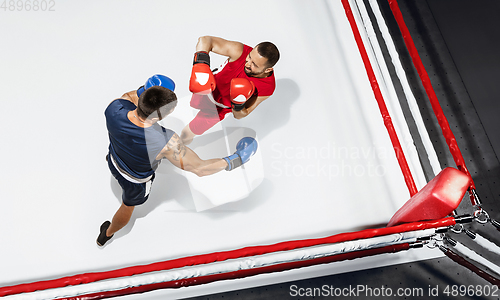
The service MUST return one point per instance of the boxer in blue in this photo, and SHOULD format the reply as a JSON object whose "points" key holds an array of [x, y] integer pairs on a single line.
{"points": [[138, 144]]}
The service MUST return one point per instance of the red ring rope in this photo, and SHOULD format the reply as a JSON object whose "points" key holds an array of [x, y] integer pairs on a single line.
{"points": [[426, 82], [462, 261], [221, 256], [241, 273], [381, 104]]}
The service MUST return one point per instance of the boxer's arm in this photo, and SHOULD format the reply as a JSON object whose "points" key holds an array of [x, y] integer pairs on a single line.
{"points": [[231, 49], [250, 105], [186, 159]]}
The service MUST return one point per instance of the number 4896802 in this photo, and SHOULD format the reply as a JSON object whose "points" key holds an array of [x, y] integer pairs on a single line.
{"points": [[471, 290]]}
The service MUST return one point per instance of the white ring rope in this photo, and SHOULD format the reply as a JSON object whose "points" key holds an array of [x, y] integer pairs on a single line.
{"points": [[412, 103], [492, 247], [476, 257], [389, 92], [227, 266]]}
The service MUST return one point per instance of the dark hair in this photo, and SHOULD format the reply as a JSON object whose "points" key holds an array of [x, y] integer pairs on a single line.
{"points": [[154, 98], [269, 51]]}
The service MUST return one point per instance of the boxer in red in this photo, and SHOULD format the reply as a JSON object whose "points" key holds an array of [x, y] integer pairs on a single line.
{"points": [[244, 81]]}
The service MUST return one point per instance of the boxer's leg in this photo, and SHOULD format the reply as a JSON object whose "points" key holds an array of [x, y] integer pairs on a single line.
{"points": [[207, 110], [187, 135], [132, 194], [204, 120], [120, 219]]}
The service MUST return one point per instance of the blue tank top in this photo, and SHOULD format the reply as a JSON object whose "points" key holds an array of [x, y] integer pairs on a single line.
{"points": [[134, 148]]}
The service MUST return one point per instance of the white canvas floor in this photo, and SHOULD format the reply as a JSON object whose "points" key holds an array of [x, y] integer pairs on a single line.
{"points": [[325, 161]]}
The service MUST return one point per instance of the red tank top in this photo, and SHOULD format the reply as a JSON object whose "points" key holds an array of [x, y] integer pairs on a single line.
{"points": [[236, 69]]}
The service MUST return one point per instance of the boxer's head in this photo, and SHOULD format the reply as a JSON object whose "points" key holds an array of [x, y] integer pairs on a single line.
{"points": [[261, 60], [156, 102]]}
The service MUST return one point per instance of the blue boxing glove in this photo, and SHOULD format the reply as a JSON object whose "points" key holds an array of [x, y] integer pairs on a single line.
{"points": [[157, 80], [245, 148]]}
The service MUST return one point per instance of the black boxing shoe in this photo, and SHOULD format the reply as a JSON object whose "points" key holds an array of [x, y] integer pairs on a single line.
{"points": [[103, 238]]}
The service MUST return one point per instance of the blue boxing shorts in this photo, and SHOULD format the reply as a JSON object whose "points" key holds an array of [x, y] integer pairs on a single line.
{"points": [[132, 193]]}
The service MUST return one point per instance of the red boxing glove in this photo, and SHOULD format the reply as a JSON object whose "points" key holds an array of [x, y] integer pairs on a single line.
{"points": [[240, 91], [202, 80]]}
